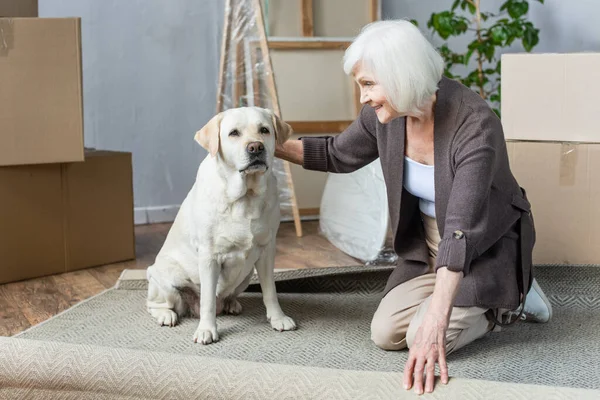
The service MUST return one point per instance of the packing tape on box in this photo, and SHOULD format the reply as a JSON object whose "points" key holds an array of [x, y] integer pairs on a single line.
{"points": [[6, 35], [568, 164]]}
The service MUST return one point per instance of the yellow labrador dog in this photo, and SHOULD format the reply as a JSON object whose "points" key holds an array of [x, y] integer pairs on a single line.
{"points": [[225, 228]]}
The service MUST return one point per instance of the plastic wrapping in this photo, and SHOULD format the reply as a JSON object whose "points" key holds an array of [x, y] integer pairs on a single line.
{"points": [[354, 215], [247, 77]]}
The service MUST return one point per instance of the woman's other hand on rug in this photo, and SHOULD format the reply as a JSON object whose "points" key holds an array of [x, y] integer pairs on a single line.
{"points": [[429, 344], [429, 347]]}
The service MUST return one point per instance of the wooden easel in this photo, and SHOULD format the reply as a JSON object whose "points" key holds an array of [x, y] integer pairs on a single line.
{"points": [[240, 86]]}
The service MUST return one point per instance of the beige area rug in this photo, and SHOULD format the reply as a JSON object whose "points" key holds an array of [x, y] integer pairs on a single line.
{"points": [[109, 347]]}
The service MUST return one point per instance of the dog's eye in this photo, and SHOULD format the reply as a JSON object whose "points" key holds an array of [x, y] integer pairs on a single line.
{"points": [[264, 130], [234, 132]]}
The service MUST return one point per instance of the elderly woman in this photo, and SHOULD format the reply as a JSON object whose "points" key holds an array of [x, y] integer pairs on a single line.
{"points": [[462, 226]]}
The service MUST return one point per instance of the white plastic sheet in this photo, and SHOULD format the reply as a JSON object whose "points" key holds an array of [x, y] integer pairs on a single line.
{"points": [[247, 78], [354, 214]]}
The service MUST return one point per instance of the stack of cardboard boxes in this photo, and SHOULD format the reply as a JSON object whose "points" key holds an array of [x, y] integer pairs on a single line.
{"points": [[550, 110], [62, 207]]}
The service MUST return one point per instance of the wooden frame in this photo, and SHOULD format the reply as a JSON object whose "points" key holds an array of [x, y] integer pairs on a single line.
{"points": [[374, 10], [239, 68], [310, 212], [308, 28], [307, 15], [241, 86], [310, 42], [305, 43]]}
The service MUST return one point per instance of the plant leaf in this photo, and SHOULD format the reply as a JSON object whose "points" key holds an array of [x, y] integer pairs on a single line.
{"points": [[430, 21], [447, 24], [516, 9], [460, 25], [442, 23], [530, 37], [489, 52], [486, 15], [499, 34], [468, 56]]}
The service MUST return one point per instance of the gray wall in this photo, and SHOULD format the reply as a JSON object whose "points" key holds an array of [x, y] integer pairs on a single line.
{"points": [[565, 26], [151, 67]]}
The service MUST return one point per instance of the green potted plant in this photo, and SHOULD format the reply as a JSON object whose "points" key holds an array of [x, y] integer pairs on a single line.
{"points": [[491, 31]]}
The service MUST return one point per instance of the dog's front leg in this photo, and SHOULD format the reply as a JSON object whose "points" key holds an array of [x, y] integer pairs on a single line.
{"points": [[265, 269], [209, 276]]}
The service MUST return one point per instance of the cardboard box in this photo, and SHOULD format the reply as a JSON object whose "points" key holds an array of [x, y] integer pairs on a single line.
{"points": [[41, 100], [562, 181], [19, 8], [551, 97], [64, 217]]}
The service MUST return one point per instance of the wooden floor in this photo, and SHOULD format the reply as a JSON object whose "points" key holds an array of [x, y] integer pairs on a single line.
{"points": [[27, 303]]}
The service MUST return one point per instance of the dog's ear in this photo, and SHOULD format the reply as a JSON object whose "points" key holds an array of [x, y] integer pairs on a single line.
{"points": [[208, 136], [283, 130]]}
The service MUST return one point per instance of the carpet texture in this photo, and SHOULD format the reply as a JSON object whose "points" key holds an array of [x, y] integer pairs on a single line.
{"points": [[32, 369], [332, 308]]}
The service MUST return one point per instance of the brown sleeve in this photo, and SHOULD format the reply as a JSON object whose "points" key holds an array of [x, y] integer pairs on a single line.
{"points": [[466, 222], [346, 152]]}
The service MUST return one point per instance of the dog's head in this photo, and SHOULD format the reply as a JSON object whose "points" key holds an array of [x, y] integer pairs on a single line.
{"points": [[244, 138]]}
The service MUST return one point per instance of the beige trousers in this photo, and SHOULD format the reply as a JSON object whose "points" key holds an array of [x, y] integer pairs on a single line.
{"points": [[401, 311]]}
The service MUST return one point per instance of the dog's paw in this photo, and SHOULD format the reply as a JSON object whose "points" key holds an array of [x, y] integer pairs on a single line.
{"points": [[232, 306], [206, 335], [164, 316], [283, 323]]}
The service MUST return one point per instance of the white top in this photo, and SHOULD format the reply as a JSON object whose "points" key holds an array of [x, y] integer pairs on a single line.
{"points": [[419, 181]]}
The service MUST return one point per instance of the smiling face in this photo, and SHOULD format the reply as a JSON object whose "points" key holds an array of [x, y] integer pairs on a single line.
{"points": [[373, 95], [245, 138]]}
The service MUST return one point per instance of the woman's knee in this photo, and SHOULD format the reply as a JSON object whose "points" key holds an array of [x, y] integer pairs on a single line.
{"points": [[411, 332], [387, 335]]}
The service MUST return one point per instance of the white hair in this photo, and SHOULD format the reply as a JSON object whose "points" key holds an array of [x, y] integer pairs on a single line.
{"points": [[401, 59]]}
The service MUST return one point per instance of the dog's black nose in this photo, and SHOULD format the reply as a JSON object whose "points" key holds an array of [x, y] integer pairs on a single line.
{"points": [[255, 148]]}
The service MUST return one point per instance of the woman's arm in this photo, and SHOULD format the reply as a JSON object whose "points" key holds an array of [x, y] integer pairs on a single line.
{"points": [[446, 288], [429, 345], [292, 151], [352, 149], [477, 141]]}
